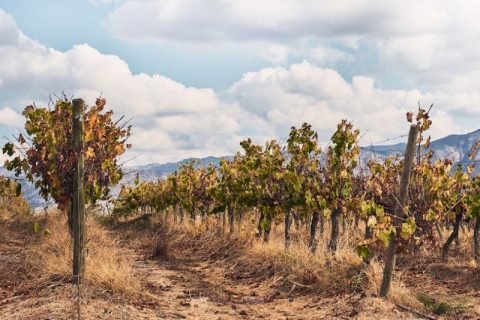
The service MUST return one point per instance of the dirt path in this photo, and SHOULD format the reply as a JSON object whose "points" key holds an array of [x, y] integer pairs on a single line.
{"points": [[182, 286], [458, 285], [194, 287], [200, 290], [14, 276]]}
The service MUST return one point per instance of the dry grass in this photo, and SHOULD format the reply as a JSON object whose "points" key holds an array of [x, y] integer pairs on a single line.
{"points": [[14, 208], [323, 272], [398, 294], [295, 269], [107, 264], [336, 273], [225, 266], [270, 268]]}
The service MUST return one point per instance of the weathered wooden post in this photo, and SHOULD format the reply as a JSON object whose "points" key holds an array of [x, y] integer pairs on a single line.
{"points": [[476, 239], [399, 209], [288, 222], [78, 195], [313, 243], [231, 218]]}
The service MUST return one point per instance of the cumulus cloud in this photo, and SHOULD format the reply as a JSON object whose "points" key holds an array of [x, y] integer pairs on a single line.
{"points": [[305, 92], [325, 55], [172, 121], [424, 44], [183, 20], [167, 115], [9, 32], [9, 117], [291, 26]]}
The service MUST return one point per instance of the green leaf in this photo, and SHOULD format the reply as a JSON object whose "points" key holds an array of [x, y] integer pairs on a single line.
{"points": [[18, 190], [265, 224], [387, 235], [36, 227], [362, 251], [327, 212], [408, 228], [8, 148], [308, 198]]}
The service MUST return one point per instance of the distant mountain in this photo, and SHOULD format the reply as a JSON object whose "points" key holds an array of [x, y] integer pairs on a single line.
{"points": [[455, 147], [28, 190], [154, 171]]}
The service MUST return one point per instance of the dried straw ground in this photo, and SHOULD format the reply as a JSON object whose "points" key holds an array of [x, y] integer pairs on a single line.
{"points": [[146, 269]]}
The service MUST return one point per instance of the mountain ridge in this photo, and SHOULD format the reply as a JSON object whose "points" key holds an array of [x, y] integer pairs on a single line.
{"points": [[455, 146]]}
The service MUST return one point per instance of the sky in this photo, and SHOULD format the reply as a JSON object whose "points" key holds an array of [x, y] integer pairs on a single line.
{"points": [[199, 76]]}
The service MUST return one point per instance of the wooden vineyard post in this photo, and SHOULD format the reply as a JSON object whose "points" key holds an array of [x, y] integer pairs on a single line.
{"points": [[399, 209], [78, 195]]}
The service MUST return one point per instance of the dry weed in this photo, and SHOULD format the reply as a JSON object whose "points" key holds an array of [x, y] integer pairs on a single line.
{"points": [[107, 264]]}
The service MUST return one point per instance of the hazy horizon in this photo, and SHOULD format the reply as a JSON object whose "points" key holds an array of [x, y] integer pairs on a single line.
{"points": [[198, 77]]}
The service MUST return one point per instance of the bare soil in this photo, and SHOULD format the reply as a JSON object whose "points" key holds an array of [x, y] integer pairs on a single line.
{"points": [[183, 281]]}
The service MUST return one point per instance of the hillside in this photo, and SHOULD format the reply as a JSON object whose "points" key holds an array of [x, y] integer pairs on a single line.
{"points": [[155, 171], [455, 147]]}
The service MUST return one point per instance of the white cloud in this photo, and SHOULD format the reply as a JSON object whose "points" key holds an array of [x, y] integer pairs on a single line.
{"points": [[416, 52], [172, 121], [11, 118], [325, 55], [275, 53], [183, 20], [304, 92], [98, 3], [421, 43], [167, 115], [9, 32]]}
